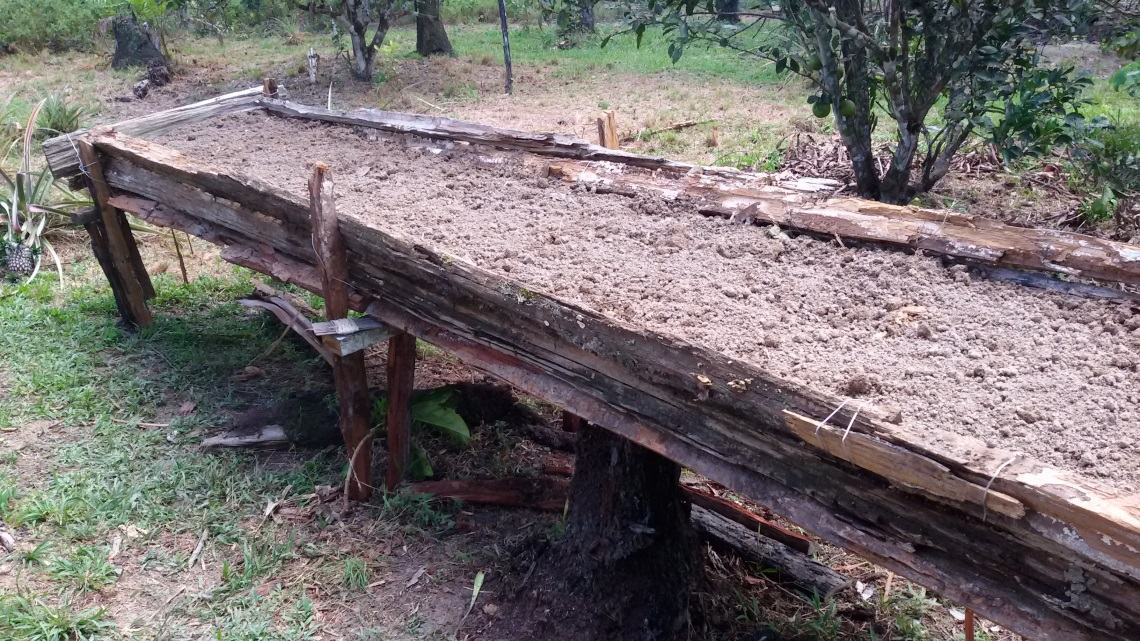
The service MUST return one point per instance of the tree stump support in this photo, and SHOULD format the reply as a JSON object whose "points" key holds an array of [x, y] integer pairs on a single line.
{"points": [[572, 422], [349, 374], [401, 380], [114, 245]]}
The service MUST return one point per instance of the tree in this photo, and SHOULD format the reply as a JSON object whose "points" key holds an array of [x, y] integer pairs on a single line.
{"points": [[358, 17], [906, 58], [628, 558], [431, 37]]}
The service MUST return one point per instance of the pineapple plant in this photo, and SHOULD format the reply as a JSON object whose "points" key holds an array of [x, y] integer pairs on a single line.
{"points": [[31, 200]]}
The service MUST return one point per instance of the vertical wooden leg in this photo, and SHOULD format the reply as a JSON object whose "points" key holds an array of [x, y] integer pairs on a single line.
{"points": [[114, 245], [573, 422], [969, 632], [348, 371], [401, 381]]}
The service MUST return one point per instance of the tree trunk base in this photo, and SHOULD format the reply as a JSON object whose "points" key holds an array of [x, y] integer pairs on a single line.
{"points": [[628, 559]]}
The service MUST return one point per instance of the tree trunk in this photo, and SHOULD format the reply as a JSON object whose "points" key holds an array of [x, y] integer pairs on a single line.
{"points": [[895, 188], [728, 10], [586, 16], [136, 44], [431, 37], [627, 561]]}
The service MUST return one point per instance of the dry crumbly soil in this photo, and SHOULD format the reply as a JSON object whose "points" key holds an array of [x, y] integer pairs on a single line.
{"points": [[1050, 375]]}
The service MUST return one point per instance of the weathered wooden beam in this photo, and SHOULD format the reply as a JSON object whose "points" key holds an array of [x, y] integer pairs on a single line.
{"points": [[128, 277], [945, 233], [541, 493], [345, 344], [1067, 569], [349, 372], [747, 519], [61, 151], [401, 369], [800, 570]]}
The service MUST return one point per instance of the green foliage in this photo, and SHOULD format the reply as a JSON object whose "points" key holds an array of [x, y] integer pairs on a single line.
{"points": [[26, 618], [432, 410], [52, 24], [471, 11], [354, 574], [1107, 159], [1127, 79], [29, 200], [1039, 115], [86, 569], [59, 116]]}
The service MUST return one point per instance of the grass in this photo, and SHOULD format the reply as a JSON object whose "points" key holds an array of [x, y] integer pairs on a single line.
{"points": [[26, 617]]}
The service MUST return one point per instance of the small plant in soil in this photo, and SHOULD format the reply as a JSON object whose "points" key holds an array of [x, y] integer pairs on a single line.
{"points": [[432, 410], [86, 569], [30, 207], [354, 575]]}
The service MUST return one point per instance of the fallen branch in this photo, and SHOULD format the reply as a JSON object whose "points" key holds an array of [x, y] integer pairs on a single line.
{"points": [[649, 133]]}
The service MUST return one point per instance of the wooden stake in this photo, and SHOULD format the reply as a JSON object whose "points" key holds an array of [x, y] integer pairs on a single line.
{"points": [[607, 130], [572, 422], [969, 625], [114, 245], [509, 80], [348, 371], [269, 87], [401, 379]]}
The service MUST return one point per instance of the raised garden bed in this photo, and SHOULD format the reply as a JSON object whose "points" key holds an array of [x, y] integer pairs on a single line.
{"points": [[723, 346]]}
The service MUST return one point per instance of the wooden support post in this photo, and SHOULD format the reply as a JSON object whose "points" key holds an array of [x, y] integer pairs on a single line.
{"points": [[269, 87], [348, 371], [572, 422], [607, 130], [114, 245], [508, 74], [401, 380]]}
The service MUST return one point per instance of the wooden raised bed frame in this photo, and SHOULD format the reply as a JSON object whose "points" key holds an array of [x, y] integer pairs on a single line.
{"points": [[1042, 551]]}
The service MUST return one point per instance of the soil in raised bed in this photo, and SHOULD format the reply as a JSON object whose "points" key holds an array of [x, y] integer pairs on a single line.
{"points": [[1052, 375]]}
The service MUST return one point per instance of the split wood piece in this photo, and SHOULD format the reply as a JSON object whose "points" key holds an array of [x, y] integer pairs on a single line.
{"points": [[900, 466], [269, 87], [439, 128], [678, 126], [542, 493], [290, 317], [746, 518], [349, 373], [401, 381], [607, 131], [345, 336], [724, 419], [61, 151], [804, 573], [940, 232], [128, 277]]}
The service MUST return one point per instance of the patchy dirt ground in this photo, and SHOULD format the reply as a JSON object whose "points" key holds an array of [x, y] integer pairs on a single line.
{"points": [[1041, 373]]}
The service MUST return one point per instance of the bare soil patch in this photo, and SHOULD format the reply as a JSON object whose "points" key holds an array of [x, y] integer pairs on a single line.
{"points": [[1050, 375]]}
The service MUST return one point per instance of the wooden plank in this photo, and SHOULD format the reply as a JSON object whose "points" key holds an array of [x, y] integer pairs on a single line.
{"points": [[801, 571], [401, 369], [61, 152], [130, 277], [542, 493], [439, 128], [345, 326], [349, 372], [754, 523], [945, 233], [1066, 570]]}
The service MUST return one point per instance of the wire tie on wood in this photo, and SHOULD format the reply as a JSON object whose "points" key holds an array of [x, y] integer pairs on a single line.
{"points": [[986, 491], [819, 426], [850, 423]]}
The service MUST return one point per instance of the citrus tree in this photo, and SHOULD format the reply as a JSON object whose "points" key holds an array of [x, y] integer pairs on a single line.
{"points": [[936, 68]]}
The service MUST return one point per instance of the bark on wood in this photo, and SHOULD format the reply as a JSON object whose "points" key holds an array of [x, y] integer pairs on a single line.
{"points": [[801, 571], [431, 36], [401, 378], [130, 280], [1066, 570], [348, 371]]}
